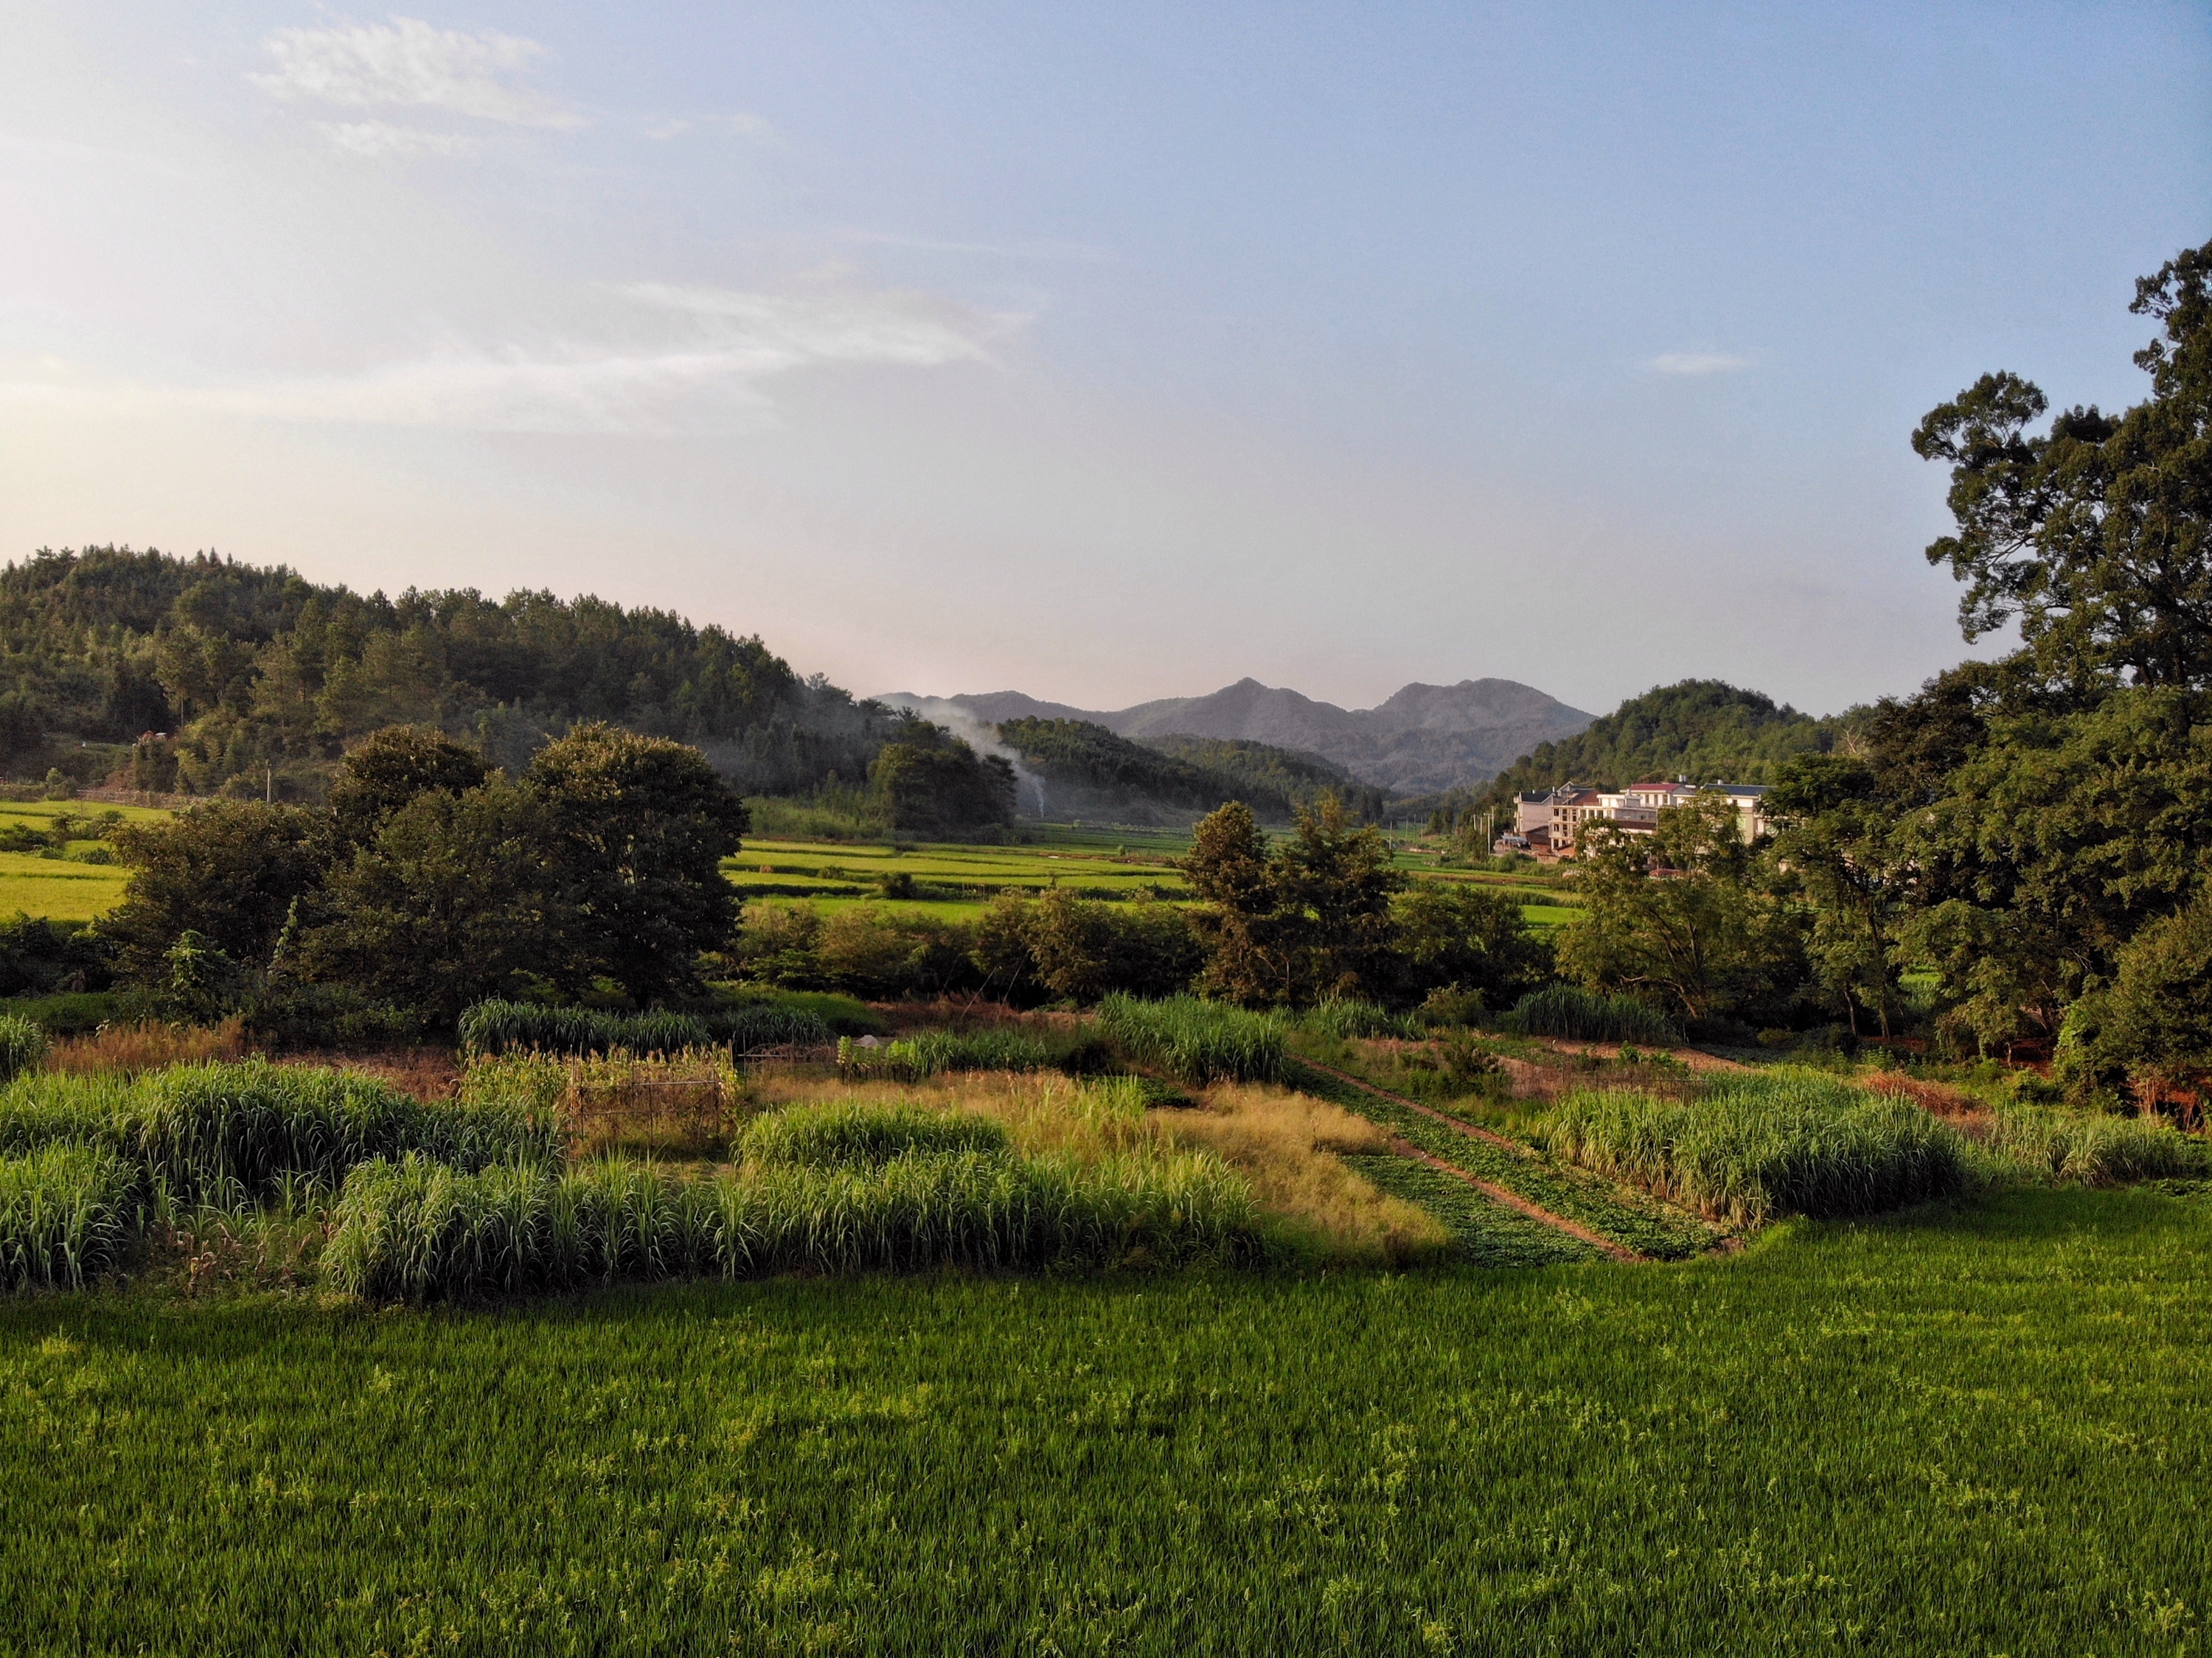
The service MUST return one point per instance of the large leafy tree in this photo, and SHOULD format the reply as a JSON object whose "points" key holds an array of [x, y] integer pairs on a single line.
{"points": [[2053, 843], [447, 905], [2091, 535], [1452, 933], [633, 831], [1683, 915], [1836, 839], [389, 770], [229, 871], [1291, 925]]}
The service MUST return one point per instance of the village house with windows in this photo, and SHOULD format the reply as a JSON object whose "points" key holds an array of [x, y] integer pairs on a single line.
{"points": [[1548, 822]]}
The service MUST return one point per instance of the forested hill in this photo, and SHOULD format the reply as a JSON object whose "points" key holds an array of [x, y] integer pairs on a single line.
{"points": [[250, 673], [1300, 779], [1088, 771], [1703, 729]]}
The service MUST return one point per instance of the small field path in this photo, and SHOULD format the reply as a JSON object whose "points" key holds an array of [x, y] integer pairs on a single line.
{"points": [[1495, 1193]]}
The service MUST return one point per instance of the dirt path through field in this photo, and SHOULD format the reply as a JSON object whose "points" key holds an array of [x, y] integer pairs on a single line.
{"points": [[1693, 1059], [1515, 1200], [1494, 1193]]}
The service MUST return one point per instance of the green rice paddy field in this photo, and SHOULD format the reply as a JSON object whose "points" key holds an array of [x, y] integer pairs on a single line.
{"points": [[1979, 1428], [952, 880], [60, 888]]}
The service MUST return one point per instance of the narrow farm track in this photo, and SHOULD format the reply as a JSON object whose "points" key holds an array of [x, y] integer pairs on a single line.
{"points": [[1515, 1200], [1446, 1118], [1490, 1189]]}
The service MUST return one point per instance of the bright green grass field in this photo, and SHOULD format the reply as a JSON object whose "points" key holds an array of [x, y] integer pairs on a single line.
{"points": [[1094, 866], [1977, 1430]]}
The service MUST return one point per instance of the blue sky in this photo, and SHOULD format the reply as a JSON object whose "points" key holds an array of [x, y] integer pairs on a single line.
{"points": [[1102, 353]]}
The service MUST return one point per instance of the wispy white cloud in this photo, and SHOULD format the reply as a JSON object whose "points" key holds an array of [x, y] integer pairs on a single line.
{"points": [[1696, 362], [407, 63], [382, 138], [678, 126], [694, 358]]}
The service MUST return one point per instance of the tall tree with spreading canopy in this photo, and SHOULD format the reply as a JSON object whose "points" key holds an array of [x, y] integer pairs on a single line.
{"points": [[2091, 536], [634, 831]]}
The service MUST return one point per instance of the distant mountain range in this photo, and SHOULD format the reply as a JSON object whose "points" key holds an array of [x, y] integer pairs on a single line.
{"points": [[1424, 739]]}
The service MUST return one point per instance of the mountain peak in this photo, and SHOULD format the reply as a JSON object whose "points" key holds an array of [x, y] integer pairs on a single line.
{"points": [[1422, 739]]}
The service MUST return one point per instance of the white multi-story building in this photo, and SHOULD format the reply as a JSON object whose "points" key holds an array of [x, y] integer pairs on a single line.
{"points": [[1635, 808]]}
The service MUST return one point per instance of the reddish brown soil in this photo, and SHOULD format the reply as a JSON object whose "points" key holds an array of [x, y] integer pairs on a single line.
{"points": [[1961, 1109], [430, 1074]]}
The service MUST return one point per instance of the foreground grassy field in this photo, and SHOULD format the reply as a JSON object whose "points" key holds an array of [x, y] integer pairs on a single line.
{"points": [[1975, 1429]]}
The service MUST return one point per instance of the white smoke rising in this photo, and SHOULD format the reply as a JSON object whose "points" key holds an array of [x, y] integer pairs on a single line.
{"points": [[984, 739]]}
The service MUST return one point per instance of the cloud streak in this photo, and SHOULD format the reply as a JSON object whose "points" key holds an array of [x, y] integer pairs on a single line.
{"points": [[697, 358], [381, 138], [410, 64], [1696, 362]]}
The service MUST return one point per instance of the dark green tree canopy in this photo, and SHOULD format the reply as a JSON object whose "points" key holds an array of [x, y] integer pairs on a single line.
{"points": [[229, 871], [388, 769], [2091, 535], [932, 783], [633, 831]]}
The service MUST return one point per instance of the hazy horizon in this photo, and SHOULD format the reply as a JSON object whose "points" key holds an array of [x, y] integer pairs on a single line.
{"points": [[961, 346]]}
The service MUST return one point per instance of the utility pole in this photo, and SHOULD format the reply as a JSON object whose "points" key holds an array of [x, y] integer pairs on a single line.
{"points": [[268, 784]]}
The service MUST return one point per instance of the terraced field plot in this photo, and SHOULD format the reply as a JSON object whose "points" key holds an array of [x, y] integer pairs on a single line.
{"points": [[832, 869], [1096, 864]]}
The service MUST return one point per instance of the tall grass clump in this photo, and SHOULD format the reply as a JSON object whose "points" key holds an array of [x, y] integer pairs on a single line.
{"points": [[205, 1128], [1194, 1041], [1764, 1145], [2099, 1150], [934, 1052], [842, 1134], [496, 1027], [23, 1045], [67, 1214], [1588, 1016], [1344, 1019], [417, 1230], [210, 1132]]}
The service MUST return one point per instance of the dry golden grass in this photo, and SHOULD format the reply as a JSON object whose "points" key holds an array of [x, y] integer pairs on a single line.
{"points": [[1287, 1145], [130, 1048]]}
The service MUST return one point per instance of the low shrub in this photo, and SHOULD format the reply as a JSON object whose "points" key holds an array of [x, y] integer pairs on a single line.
{"points": [[842, 1135], [66, 1215], [1194, 1041], [2099, 1150], [1588, 1015], [417, 1230], [1764, 1145]]}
